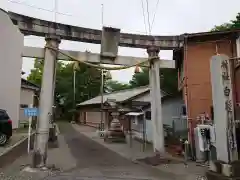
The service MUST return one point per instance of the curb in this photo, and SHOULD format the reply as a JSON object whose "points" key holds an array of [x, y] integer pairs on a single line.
{"points": [[15, 151]]}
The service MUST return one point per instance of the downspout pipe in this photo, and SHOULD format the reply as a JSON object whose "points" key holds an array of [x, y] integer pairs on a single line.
{"points": [[189, 125], [238, 45]]}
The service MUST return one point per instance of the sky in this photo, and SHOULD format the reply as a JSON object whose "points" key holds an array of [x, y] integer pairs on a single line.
{"points": [[172, 17]]}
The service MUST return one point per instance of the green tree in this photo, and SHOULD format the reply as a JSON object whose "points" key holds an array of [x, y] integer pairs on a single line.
{"points": [[168, 79], [223, 27], [233, 24], [140, 79], [236, 22], [87, 82], [112, 86]]}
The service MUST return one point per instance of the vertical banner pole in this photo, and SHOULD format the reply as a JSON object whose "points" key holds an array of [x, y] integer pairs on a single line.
{"points": [[29, 130]]}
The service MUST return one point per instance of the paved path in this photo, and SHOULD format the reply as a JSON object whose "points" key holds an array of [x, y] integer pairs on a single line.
{"points": [[135, 152], [96, 162]]}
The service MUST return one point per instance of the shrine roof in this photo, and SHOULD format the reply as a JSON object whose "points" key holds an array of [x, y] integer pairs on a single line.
{"points": [[28, 85], [119, 96]]}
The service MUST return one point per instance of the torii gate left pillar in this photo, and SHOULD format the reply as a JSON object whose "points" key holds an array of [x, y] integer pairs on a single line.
{"points": [[46, 102]]}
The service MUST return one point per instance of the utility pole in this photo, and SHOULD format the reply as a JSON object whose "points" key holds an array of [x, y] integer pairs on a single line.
{"points": [[102, 91], [75, 68], [102, 84], [74, 93], [74, 86]]}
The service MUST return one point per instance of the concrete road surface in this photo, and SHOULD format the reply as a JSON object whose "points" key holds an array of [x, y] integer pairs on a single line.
{"points": [[95, 162]]}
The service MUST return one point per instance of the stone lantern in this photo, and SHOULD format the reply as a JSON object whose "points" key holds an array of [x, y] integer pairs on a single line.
{"points": [[115, 132]]}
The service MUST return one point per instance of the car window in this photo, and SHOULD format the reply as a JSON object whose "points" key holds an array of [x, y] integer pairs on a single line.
{"points": [[3, 115]]}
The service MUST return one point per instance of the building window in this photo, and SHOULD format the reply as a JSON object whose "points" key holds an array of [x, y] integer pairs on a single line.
{"points": [[212, 112], [23, 105], [148, 115], [184, 110], [133, 120]]}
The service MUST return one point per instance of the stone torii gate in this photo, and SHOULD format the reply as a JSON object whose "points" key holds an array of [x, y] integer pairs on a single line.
{"points": [[109, 39]]}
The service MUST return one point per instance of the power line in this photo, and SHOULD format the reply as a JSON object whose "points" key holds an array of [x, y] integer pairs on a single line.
{"points": [[35, 7], [102, 13], [144, 18], [148, 16], [56, 9], [154, 16]]}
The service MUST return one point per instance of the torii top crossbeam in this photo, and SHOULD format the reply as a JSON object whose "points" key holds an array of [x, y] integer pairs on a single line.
{"points": [[37, 27]]}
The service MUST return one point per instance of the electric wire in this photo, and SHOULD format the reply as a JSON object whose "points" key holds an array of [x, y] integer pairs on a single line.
{"points": [[56, 10], [102, 9], [35, 7], [155, 12], [148, 17], [144, 17]]}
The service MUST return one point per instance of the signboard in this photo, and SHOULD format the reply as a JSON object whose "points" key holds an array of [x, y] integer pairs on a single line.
{"points": [[31, 112], [229, 106]]}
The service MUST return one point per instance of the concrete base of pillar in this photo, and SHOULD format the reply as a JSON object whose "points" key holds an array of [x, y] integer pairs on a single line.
{"points": [[223, 171], [51, 168], [216, 176], [38, 160]]}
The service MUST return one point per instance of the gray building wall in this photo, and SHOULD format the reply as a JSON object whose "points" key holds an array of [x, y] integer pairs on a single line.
{"points": [[11, 47], [171, 111]]}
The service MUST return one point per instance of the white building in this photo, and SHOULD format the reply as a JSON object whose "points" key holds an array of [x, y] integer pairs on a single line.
{"points": [[28, 97]]}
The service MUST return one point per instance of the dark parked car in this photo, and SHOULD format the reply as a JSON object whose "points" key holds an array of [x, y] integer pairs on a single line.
{"points": [[5, 127]]}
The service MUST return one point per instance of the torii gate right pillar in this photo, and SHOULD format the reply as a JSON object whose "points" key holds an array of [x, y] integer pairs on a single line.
{"points": [[156, 106]]}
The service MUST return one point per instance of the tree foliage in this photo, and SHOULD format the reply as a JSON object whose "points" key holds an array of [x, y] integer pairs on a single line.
{"points": [[233, 24], [88, 81], [140, 78], [168, 79], [111, 86]]}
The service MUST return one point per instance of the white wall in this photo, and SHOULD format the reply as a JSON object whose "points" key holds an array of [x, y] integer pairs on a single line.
{"points": [[149, 130], [26, 98], [11, 46]]}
